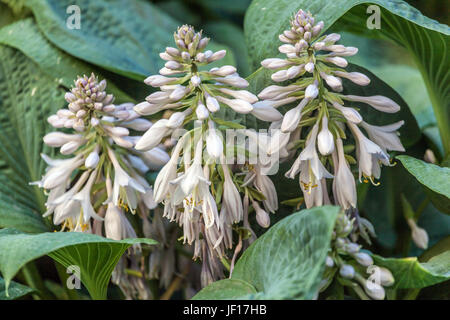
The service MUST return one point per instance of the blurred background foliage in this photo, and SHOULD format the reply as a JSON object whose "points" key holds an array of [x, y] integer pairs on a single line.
{"points": [[223, 21]]}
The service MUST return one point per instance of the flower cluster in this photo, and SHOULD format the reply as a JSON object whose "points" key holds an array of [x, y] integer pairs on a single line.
{"points": [[199, 188], [351, 265], [314, 68], [104, 178]]}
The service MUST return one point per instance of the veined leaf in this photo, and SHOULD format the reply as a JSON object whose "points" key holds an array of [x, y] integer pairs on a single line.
{"points": [[123, 36], [430, 175], [25, 36], [425, 39], [286, 262], [410, 273], [435, 179], [225, 289], [95, 256], [15, 290], [27, 97]]}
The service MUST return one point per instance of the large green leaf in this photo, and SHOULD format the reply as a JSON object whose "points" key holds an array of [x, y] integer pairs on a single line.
{"points": [[287, 261], [226, 289], [123, 36], [435, 179], [425, 39], [15, 290], [27, 97], [94, 255], [25, 36], [410, 273], [432, 176]]}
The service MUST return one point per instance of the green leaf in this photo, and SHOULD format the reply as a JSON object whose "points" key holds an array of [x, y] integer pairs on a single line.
{"points": [[425, 39], [287, 261], [96, 256], [225, 289], [432, 176], [27, 97], [123, 36], [435, 179], [15, 290], [233, 36], [25, 36], [410, 273]]}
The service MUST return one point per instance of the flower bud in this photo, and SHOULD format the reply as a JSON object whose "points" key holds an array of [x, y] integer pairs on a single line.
{"points": [[311, 91], [202, 112], [325, 139], [347, 271], [374, 290], [212, 104], [363, 259], [386, 277], [113, 222], [92, 160], [262, 217]]}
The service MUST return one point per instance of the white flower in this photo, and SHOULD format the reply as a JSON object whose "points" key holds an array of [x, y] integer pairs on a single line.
{"points": [[231, 198], [347, 271], [418, 235], [344, 186], [57, 139], [92, 160], [385, 136], [334, 82], [380, 103], [355, 77], [153, 136], [240, 94], [368, 154], [84, 197], [214, 144], [167, 174], [262, 217], [114, 222], [265, 185], [122, 180], [311, 91], [59, 172], [340, 62], [264, 111], [292, 118], [238, 105], [349, 113], [202, 112], [374, 290], [363, 259], [325, 139], [155, 158], [212, 104], [137, 124]]}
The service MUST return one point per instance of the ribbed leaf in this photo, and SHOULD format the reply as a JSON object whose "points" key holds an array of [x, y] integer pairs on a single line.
{"points": [[286, 262], [27, 97], [94, 255], [410, 273], [435, 179], [225, 289], [123, 36], [25, 36]]}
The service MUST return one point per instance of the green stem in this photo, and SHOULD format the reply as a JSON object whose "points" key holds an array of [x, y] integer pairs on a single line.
{"points": [[34, 281], [440, 111]]}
